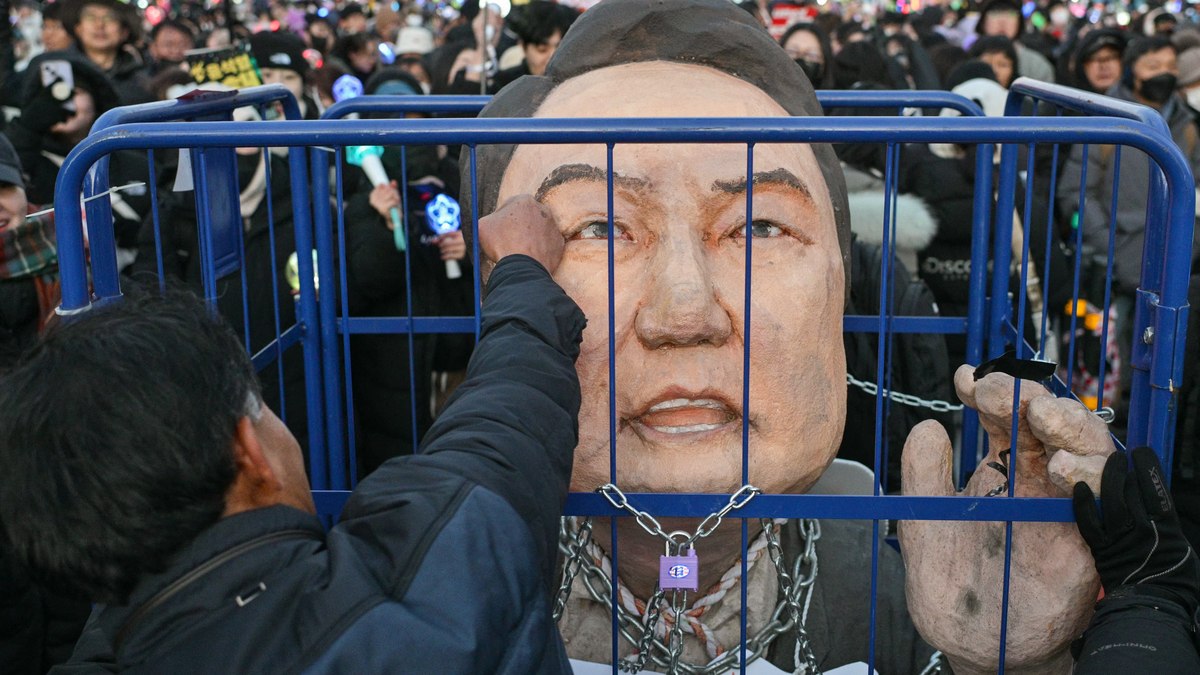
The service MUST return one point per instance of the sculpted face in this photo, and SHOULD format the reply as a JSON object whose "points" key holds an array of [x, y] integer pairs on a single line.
{"points": [[679, 214]]}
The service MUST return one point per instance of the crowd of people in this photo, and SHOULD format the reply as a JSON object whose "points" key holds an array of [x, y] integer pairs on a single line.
{"points": [[121, 53]]}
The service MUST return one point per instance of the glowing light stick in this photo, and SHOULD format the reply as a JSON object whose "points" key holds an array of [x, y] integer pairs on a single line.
{"points": [[368, 157], [444, 215]]}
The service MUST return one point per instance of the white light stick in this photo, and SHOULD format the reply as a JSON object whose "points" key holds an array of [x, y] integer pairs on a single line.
{"points": [[368, 157]]}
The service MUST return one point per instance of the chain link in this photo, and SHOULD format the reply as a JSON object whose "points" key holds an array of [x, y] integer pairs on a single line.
{"points": [[805, 660], [574, 547], [904, 399]]}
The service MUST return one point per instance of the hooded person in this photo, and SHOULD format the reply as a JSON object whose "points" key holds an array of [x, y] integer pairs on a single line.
{"points": [[679, 241], [1098, 59], [54, 119]]}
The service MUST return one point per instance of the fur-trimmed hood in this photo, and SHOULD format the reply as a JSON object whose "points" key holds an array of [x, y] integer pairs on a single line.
{"points": [[915, 222]]}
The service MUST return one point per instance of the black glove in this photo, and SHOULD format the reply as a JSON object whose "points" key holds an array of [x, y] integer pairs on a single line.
{"points": [[1138, 541], [44, 111]]}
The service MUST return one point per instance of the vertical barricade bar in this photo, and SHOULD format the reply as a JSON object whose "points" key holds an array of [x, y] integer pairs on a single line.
{"points": [[977, 308], [102, 245], [1146, 296], [327, 308], [1000, 310], [326, 472]]}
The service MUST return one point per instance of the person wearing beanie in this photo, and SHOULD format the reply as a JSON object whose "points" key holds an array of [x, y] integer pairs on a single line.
{"points": [[1189, 78], [1098, 59], [1150, 77], [280, 59], [1004, 17]]}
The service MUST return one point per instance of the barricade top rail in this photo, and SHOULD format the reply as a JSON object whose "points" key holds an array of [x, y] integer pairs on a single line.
{"points": [[1080, 102], [963, 130], [203, 103], [827, 99]]}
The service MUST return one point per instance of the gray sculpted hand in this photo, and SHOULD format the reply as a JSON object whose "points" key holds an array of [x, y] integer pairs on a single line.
{"points": [[955, 570]]}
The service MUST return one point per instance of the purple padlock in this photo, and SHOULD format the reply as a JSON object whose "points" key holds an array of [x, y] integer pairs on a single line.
{"points": [[679, 572]]}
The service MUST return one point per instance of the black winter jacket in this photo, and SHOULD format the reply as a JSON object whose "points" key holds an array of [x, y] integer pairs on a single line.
{"points": [[442, 561]]}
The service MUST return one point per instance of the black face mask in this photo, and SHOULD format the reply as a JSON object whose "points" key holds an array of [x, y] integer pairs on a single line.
{"points": [[320, 44], [1158, 88], [812, 69]]}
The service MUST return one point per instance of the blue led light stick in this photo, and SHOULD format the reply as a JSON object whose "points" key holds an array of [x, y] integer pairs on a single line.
{"points": [[444, 215]]}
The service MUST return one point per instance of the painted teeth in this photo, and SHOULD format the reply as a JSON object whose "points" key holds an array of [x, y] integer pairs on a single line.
{"points": [[690, 428], [688, 403]]}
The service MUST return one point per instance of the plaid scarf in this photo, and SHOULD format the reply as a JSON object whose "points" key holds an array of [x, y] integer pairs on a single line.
{"points": [[29, 251]]}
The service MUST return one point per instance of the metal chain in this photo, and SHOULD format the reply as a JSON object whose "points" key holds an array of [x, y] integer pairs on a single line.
{"points": [[804, 659], [653, 612], [675, 644], [574, 547], [904, 399], [937, 665], [650, 524], [600, 588]]}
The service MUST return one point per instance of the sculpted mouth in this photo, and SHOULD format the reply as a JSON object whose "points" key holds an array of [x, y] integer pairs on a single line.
{"points": [[687, 415]]}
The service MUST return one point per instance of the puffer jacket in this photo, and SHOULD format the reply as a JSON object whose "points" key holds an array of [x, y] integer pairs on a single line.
{"points": [[411, 579]]}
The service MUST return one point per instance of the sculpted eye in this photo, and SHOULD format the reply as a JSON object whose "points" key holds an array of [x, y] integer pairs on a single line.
{"points": [[759, 229], [598, 229], [765, 228]]}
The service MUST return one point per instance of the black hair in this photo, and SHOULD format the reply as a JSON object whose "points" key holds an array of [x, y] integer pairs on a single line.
{"points": [[1000, 6], [713, 34], [996, 44], [115, 438], [54, 11], [847, 29], [538, 21], [826, 50], [945, 57], [172, 24], [355, 42], [1139, 48]]}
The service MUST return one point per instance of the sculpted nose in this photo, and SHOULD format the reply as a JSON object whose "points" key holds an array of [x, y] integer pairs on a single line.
{"points": [[681, 307]]}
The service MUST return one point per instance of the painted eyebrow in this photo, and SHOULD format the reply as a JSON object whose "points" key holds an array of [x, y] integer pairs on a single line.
{"points": [[573, 173], [778, 177]]}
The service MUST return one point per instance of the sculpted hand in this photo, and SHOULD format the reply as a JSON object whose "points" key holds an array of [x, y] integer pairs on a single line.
{"points": [[522, 226], [955, 570]]}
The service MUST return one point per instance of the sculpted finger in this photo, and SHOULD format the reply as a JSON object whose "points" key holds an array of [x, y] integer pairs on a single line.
{"points": [[964, 384], [1066, 424], [1067, 470], [994, 401], [927, 461]]}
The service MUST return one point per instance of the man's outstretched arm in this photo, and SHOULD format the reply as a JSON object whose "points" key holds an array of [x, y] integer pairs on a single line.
{"points": [[513, 424]]}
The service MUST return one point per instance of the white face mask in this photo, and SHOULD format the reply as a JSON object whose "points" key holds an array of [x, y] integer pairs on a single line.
{"points": [[1193, 98]]}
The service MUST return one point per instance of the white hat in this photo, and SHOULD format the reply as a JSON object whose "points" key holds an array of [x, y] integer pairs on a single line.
{"points": [[414, 40]]}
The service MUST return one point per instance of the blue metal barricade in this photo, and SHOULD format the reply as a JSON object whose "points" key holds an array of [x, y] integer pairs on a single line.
{"points": [[996, 315], [971, 325], [221, 245]]}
